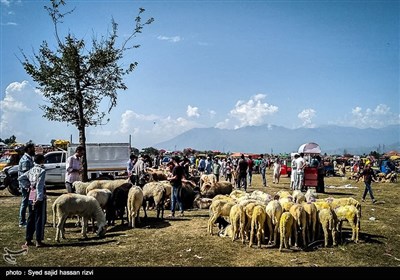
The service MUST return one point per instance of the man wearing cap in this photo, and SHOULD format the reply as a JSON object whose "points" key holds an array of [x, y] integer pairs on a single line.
{"points": [[176, 182], [139, 169]]}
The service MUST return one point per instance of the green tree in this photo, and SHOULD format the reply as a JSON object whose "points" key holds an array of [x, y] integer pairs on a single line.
{"points": [[151, 151], [10, 140], [74, 79]]}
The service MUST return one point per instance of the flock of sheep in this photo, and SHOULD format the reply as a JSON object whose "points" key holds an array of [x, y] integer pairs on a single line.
{"points": [[253, 217], [286, 214]]}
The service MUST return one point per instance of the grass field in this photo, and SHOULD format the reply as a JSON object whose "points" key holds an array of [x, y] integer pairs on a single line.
{"points": [[184, 242]]}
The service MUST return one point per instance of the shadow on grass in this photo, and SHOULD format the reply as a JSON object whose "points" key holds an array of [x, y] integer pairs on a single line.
{"points": [[346, 239], [82, 242], [338, 193], [148, 222]]}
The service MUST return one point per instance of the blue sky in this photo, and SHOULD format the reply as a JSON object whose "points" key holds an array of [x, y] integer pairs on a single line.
{"points": [[224, 64]]}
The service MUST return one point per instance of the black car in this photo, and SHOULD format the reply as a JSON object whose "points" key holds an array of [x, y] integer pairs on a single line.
{"points": [[9, 180]]}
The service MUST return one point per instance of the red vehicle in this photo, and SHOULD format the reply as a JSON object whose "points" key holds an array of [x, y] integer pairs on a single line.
{"points": [[286, 168]]}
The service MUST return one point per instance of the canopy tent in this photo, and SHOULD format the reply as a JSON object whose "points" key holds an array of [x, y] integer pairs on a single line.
{"points": [[309, 148]]}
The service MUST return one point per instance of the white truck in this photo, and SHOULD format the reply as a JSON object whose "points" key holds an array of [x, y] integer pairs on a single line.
{"points": [[104, 160]]}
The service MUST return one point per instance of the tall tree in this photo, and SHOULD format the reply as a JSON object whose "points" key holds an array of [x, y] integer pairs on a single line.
{"points": [[75, 79]]}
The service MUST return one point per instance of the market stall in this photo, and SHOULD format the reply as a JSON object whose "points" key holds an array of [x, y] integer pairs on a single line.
{"points": [[311, 176]]}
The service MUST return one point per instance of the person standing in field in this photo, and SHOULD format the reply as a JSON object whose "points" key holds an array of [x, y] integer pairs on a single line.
{"points": [[130, 164], [293, 175], [277, 171], [301, 165], [368, 176], [176, 183], [250, 165], [228, 170], [242, 173], [35, 177], [25, 164], [263, 169], [74, 168], [216, 168]]}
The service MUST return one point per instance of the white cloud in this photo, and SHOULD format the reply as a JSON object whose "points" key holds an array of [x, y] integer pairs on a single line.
{"points": [[306, 117], [173, 39], [212, 114], [192, 111], [21, 116], [379, 117], [253, 111], [224, 124], [5, 2]]}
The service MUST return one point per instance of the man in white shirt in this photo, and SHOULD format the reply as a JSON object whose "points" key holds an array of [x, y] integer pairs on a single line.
{"points": [[300, 164], [74, 168]]}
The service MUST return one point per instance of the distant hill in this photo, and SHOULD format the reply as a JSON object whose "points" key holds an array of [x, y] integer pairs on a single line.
{"points": [[277, 139]]}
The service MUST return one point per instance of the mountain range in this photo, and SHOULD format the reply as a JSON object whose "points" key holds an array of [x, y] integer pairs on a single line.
{"points": [[277, 139]]}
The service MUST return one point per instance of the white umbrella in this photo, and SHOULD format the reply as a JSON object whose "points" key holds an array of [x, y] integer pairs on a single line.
{"points": [[310, 148]]}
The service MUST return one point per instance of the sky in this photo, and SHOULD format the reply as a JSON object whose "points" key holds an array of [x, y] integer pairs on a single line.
{"points": [[223, 64]]}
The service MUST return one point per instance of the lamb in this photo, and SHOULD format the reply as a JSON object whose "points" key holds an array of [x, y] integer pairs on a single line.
{"points": [[135, 201], [226, 231], [76, 204], [212, 189], [285, 229], [328, 224]]}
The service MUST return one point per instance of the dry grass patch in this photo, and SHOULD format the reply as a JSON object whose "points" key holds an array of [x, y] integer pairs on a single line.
{"points": [[184, 241]]}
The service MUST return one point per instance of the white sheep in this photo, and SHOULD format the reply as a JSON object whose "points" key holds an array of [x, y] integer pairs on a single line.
{"points": [[210, 190], [300, 218], [261, 196], [218, 208], [274, 211], [135, 201], [236, 217], [311, 215], [285, 229], [327, 221], [101, 195], [80, 187], [157, 192], [107, 184], [257, 224], [76, 204], [351, 214]]}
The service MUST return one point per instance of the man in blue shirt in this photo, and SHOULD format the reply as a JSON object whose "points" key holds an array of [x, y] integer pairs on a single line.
{"points": [[25, 164]]}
